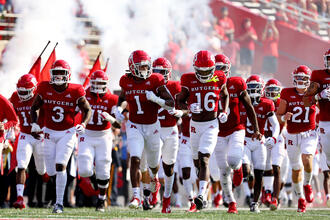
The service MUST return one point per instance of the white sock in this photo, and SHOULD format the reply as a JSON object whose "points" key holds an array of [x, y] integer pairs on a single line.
{"points": [[307, 178], [61, 178], [289, 196], [168, 185], [189, 189], [202, 187], [177, 198], [268, 183], [20, 189], [226, 183], [319, 194], [246, 188], [328, 196], [136, 192], [298, 188], [102, 197]]}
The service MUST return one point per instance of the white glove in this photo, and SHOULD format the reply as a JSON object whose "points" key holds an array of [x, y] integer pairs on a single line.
{"points": [[325, 93], [223, 117], [107, 117], [195, 108], [151, 96], [80, 129], [11, 135], [176, 113], [35, 128], [270, 142], [116, 110]]}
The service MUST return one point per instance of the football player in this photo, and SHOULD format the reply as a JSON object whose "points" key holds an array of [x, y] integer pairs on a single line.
{"points": [[255, 151], [59, 99], [301, 138], [230, 143], [144, 92], [275, 153], [319, 91], [22, 101], [95, 145], [7, 113], [169, 133], [200, 93]]}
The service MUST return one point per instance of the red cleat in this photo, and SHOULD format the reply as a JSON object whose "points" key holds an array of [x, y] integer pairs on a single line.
{"points": [[238, 177], [301, 205], [268, 198], [273, 205], [232, 208], [309, 193], [166, 205], [154, 187], [192, 208], [19, 204], [217, 200]]}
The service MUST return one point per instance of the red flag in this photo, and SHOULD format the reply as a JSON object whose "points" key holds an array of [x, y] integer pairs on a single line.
{"points": [[44, 74], [106, 66], [96, 66], [35, 69]]}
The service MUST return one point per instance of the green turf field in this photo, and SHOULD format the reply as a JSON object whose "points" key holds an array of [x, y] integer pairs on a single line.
{"points": [[89, 213]]}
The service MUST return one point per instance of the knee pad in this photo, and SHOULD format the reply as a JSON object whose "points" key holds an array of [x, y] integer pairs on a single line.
{"points": [[85, 172], [296, 166], [234, 162]]}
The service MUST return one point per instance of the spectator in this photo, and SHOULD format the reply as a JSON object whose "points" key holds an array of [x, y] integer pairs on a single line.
{"points": [[231, 50], [270, 38], [281, 15], [85, 57], [225, 22], [247, 40], [309, 25], [2, 5]]}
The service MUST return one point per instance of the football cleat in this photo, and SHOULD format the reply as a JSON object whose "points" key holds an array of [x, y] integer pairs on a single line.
{"points": [[166, 205], [238, 177], [199, 201], [193, 208], [268, 197], [100, 205], [135, 203], [232, 208], [19, 204], [58, 208], [309, 193], [217, 200], [301, 205], [254, 207], [273, 205], [154, 187], [146, 204]]}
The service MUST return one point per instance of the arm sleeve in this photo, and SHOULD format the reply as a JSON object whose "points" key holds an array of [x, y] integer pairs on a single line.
{"points": [[274, 125]]}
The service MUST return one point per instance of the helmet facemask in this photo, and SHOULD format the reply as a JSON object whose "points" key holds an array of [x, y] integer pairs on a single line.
{"points": [[163, 71], [301, 80], [142, 69], [224, 68], [254, 89], [327, 61], [25, 94], [204, 74], [99, 86], [59, 76], [273, 92]]}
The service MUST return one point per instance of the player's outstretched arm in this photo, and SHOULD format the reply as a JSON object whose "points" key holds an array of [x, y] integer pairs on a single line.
{"points": [[309, 96], [85, 109], [251, 114], [181, 98], [36, 105]]}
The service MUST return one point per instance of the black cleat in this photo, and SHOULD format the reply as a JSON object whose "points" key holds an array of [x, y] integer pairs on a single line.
{"points": [[146, 205], [58, 208], [199, 201], [100, 206]]}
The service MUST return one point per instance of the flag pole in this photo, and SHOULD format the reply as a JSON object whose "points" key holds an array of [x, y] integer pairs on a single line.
{"points": [[45, 48]]}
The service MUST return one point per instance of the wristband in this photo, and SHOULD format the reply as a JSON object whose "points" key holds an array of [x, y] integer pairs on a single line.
{"points": [[317, 97], [283, 117]]}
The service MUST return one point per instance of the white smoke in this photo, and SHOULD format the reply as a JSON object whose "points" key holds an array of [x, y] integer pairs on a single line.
{"points": [[128, 25], [40, 21]]}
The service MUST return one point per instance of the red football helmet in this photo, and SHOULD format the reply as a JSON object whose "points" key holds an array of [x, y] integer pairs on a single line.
{"points": [[60, 73], [301, 76], [255, 86], [163, 66], [99, 82], [222, 63], [136, 61], [26, 87], [327, 59], [273, 89], [204, 65]]}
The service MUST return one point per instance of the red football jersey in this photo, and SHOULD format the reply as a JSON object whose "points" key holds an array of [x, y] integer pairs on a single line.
{"points": [[277, 104], [99, 105], [22, 109], [165, 119], [207, 94], [141, 110], [264, 107], [323, 79], [7, 112], [59, 107], [235, 86], [303, 118], [185, 126]]}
